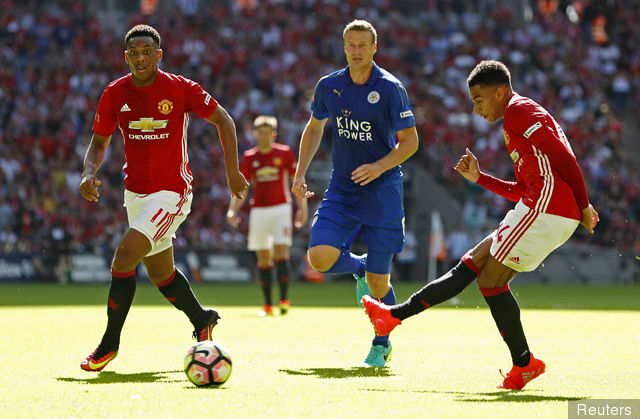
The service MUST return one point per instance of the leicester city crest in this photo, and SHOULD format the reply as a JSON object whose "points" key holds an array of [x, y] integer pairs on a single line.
{"points": [[374, 97]]}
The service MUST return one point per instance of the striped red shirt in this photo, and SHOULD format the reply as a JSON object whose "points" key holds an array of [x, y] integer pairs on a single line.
{"points": [[154, 122], [548, 177]]}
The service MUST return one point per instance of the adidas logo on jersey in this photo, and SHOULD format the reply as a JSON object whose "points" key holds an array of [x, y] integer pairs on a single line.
{"points": [[125, 108], [515, 259]]}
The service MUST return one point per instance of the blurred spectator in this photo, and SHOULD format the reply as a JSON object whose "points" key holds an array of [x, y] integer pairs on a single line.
{"points": [[459, 241], [474, 215], [264, 57]]}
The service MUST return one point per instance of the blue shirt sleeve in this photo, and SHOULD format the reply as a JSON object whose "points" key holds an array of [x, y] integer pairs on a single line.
{"points": [[401, 112], [318, 107]]}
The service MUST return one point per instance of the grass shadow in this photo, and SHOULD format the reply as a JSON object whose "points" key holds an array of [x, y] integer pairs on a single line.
{"points": [[518, 396], [341, 372], [110, 377]]}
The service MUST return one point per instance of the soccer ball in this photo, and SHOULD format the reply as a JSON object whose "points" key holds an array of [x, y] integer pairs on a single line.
{"points": [[207, 364]]}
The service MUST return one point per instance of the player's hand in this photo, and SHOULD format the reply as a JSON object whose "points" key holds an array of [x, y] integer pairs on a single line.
{"points": [[89, 188], [468, 166], [299, 188], [590, 218], [232, 219], [366, 173], [237, 183]]}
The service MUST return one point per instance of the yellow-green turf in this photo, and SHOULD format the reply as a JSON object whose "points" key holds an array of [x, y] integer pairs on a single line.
{"points": [[306, 364]]}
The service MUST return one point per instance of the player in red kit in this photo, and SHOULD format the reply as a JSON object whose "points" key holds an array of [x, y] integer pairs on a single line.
{"points": [[551, 201], [269, 166], [152, 108]]}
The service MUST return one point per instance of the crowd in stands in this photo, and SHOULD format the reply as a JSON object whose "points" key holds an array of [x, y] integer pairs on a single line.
{"points": [[265, 58]]}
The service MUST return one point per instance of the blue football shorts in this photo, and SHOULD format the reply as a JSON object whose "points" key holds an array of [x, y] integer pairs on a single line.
{"points": [[377, 213]]}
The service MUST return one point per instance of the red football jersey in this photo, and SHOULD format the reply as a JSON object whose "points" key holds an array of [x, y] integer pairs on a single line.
{"points": [[269, 173], [548, 177], [153, 121]]}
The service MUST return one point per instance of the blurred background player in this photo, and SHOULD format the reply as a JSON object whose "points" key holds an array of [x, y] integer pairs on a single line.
{"points": [[152, 109], [551, 201], [373, 132], [269, 167]]}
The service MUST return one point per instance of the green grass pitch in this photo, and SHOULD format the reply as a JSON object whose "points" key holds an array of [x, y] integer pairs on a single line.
{"points": [[305, 364]]}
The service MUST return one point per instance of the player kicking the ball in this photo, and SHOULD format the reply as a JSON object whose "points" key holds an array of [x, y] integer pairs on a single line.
{"points": [[152, 108], [551, 201]]}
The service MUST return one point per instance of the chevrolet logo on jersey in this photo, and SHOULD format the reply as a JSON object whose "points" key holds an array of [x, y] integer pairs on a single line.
{"points": [[148, 124], [267, 174]]}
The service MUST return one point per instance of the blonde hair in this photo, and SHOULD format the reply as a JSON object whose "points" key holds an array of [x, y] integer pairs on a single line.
{"points": [[362, 26], [267, 120]]}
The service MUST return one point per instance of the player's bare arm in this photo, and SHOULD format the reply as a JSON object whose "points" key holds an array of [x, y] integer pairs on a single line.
{"points": [[234, 206], [92, 161], [468, 166], [406, 147], [309, 143], [302, 213], [227, 133]]}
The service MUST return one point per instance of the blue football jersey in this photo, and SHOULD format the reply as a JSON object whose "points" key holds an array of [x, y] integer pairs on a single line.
{"points": [[365, 119]]}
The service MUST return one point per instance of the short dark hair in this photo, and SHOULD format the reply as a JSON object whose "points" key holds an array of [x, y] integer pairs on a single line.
{"points": [[143, 30], [489, 73]]}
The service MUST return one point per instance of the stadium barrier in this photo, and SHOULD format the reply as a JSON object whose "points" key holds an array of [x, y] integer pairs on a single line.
{"points": [[95, 268], [572, 263]]}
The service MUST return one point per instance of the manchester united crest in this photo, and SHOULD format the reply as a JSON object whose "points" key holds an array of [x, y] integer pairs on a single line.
{"points": [[165, 106], [506, 137], [277, 161]]}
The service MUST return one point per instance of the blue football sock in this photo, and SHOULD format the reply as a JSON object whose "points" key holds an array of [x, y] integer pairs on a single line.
{"points": [[389, 299], [348, 263]]}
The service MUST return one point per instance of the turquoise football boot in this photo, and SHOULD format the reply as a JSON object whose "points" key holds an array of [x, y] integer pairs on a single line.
{"points": [[378, 356], [362, 288]]}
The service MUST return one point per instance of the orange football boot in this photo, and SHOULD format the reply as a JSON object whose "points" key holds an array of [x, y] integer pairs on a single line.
{"points": [[518, 377], [98, 359], [284, 306], [380, 315], [206, 332]]}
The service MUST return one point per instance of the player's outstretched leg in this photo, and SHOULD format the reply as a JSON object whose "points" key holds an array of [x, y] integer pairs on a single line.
{"points": [[385, 318], [518, 377], [121, 292]]}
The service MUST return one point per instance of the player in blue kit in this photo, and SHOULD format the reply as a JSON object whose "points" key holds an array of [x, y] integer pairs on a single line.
{"points": [[373, 132]]}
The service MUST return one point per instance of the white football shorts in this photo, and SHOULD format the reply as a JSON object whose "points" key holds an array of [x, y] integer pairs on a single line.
{"points": [[526, 237], [157, 216], [269, 226]]}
